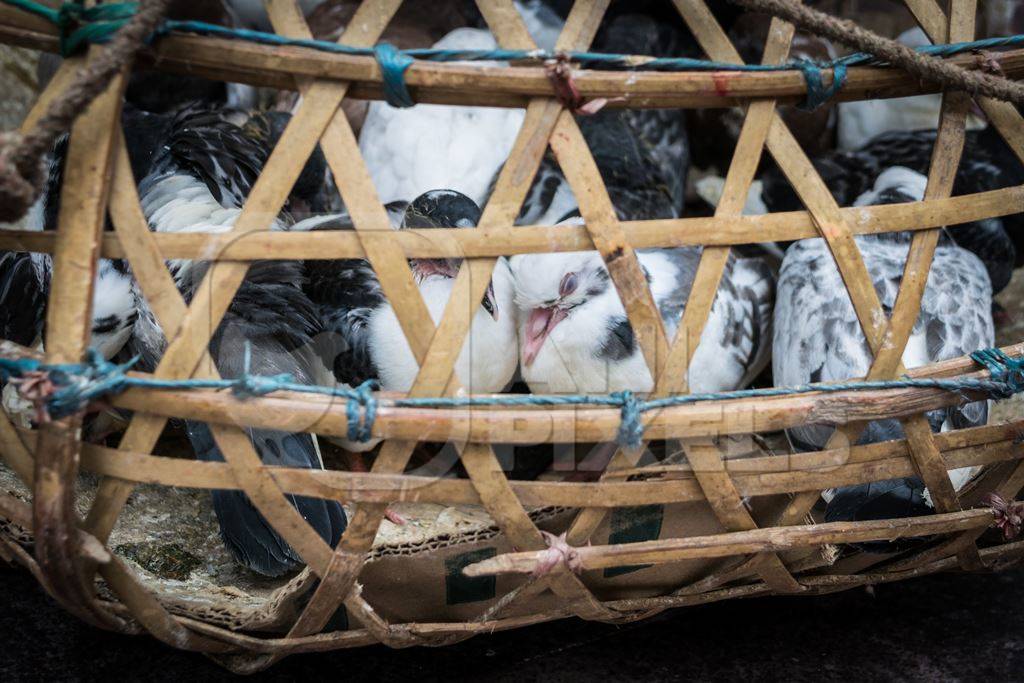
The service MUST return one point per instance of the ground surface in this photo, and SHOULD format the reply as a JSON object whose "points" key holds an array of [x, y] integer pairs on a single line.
{"points": [[948, 628]]}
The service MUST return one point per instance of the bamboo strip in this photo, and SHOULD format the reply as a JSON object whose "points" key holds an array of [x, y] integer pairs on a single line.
{"points": [[941, 176], [742, 542], [68, 327], [323, 415], [65, 75], [238, 61], [498, 241], [395, 276], [770, 475], [712, 475]]}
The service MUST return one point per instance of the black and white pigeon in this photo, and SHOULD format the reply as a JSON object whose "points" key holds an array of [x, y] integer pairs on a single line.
{"points": [[25, 277], [368, 342], [987, 164], [575, 337], [642, 154], [818, 338], [199, 181]]}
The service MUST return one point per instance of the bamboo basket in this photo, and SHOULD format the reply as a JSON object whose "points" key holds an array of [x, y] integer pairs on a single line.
{"points": [[710, 546]]}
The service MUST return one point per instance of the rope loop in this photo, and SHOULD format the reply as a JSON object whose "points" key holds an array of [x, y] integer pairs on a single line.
{"points": [[1006, 371], [393, 64], [817, 93], [631, 427], [361, 411]]}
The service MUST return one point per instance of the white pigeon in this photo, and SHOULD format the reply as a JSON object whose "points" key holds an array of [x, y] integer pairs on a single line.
{"points": [[542, 23], [818, 337], [370, 343], [861, 121], [574, 336], [411, 151]]}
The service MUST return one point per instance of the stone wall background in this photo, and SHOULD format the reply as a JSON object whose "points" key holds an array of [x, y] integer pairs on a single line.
{"points": [[19, 86]]}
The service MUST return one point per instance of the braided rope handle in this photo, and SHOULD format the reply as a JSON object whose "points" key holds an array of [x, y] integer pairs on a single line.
{"points": [[21, 157]]}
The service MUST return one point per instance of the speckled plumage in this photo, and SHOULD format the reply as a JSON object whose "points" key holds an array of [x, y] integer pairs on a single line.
{"points": [[199, 181], [987, 164], [818, 337], [593, 349]]}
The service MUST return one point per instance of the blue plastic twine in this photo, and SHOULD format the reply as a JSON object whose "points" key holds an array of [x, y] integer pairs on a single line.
{"points": [[1005, 370], [361, 411], [393, 64], [74, 386], [80, 25], [247, 385], [817, 93], [631, 427]]}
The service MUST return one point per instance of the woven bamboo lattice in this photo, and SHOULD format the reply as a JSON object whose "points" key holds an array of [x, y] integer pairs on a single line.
{"points": [[749, 558]]}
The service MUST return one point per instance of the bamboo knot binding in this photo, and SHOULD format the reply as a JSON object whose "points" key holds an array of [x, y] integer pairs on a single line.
{"points": [[1009, 515], [1006, 370], [393, 64], [558, 551]]}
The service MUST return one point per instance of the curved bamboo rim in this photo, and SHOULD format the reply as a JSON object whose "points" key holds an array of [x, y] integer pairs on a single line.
{"points": [[325, 415], [294, 412], [442, 83]]}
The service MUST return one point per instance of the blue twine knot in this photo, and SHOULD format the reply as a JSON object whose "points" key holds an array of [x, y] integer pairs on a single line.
{"points": [[1007, 371], [817, 93], [248, 385], [78, 385], [393, 64], [631, 427], [361, 411], [79, 25]]}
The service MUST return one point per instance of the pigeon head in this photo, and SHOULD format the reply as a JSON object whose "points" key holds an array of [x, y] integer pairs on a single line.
{"points": [[550, 288], [895, 185], [444, 209], [441, 209], [309, 195]]}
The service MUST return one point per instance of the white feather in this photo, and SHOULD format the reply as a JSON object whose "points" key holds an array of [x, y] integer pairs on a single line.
{"points": [[861, 121], [570, 359], [485, 364], [429, 146]]}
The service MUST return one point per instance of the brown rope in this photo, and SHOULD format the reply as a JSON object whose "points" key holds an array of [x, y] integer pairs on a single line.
{"points": [[923, 66], [21, 157]]}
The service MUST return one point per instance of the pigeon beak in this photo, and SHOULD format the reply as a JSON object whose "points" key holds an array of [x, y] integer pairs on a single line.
{"points": [[490, 304], [538, 326]]}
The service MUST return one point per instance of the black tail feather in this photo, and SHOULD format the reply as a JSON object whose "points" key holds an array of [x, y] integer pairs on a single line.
{"points": [[890, 499], [246, 533]]}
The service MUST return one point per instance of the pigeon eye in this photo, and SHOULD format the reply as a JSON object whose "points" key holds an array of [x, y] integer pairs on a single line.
{"points": [[568, 285]]}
